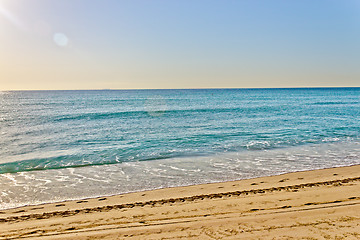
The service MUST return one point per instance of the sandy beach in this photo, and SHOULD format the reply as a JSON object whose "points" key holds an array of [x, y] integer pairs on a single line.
{"points": [[319, 204]]}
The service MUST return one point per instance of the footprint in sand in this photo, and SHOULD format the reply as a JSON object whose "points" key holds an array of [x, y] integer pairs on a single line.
{"points": [[36, 231], [283, 180], [37, 208], [20, 211]]}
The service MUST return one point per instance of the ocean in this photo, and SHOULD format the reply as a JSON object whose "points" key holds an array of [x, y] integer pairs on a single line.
{"points": [[66, 145]]}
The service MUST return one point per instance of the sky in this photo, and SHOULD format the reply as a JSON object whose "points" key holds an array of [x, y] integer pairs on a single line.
{"points": [[156, 44]]}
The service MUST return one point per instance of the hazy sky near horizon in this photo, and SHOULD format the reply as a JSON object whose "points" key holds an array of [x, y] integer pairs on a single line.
{"points": [[94, 44]]}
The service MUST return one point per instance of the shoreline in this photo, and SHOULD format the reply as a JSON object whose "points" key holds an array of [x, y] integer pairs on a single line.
{"points": [[161, 188], [157, 213]]}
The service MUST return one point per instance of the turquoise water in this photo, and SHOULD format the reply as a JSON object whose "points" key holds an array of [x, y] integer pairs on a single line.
{"points": [[53, 143]]}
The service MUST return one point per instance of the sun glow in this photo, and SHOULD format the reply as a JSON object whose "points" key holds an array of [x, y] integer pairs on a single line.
{"points": [[9, 16]]}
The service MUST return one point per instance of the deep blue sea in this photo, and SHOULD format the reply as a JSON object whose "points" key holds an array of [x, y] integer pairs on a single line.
{"points": [[62, 145]]}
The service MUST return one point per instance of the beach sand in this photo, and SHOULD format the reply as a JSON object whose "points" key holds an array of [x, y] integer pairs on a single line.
{"points": [[319, 204]]}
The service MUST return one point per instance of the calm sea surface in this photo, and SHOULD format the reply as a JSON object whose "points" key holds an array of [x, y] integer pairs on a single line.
{"points": [[61, 145]]}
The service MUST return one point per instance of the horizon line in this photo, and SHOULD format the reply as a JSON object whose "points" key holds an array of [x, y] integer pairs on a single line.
{"points": [[127, 89]]}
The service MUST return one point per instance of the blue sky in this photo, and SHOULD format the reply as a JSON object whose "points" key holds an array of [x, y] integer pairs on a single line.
{"points": [[93, 44]]}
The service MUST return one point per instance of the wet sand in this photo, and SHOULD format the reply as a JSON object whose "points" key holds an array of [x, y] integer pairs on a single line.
{"points": [[319, 204]]}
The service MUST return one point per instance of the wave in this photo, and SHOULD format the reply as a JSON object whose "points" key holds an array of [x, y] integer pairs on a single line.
{"points": [[107, 115], [59, 163], [76, 161], [336, 103]]}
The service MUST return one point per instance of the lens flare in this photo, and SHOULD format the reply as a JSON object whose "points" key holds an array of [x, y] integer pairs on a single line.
{"points": [[155, 106], [61, 39]]}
